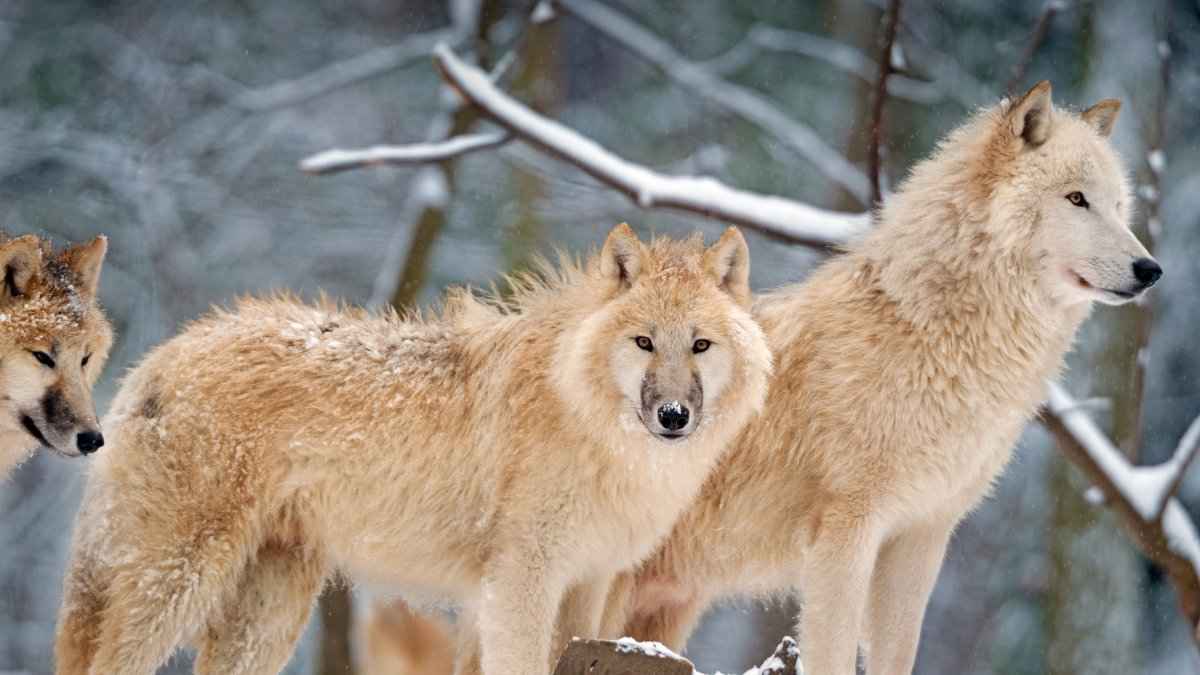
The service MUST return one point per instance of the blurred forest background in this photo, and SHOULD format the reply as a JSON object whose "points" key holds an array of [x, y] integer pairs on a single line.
{"points": [[176, 128]]}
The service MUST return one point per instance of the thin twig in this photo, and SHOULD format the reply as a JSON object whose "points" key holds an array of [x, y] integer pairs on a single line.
{"points": [[734, 98], [343, 73], [333, 161], [1185, 453], [1036, 38], [781, 218], [1150, 224], [837, 54], [875, 144]]}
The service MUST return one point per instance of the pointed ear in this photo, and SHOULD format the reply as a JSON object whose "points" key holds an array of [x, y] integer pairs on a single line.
{"points": [[85, 260], [20, 262], [621, 257], [728, 261], [1103, 116], [1030, 117]]}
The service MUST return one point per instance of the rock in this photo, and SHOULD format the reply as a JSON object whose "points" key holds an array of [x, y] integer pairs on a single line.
{"points": [[620, 657], [630, 657]]}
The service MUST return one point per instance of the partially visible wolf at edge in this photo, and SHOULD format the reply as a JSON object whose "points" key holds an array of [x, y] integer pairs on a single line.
{"points": [[54, 341]]}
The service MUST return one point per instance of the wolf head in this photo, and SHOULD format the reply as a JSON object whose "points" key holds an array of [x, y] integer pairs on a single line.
{"points": [[1025, 203], [672, 349], [1067, 172], [54, 340]]}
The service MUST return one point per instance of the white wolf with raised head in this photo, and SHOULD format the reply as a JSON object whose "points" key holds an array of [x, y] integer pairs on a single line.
{"points": [[905, 370]]}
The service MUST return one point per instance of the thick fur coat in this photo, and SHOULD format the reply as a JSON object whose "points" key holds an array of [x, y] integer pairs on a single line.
{"points": [[497, 454], [905, 370]]}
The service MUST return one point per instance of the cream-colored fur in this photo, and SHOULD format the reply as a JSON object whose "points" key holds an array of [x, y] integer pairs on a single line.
{"points": [[399, 641], [48, 307], [498, 457], [905, 370]]}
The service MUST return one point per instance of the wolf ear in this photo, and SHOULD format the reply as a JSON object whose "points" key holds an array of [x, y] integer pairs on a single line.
{"points": [[728, 261], [85, 260], [20, 262], [621, 257], [1103, 116], [1029, 118]]}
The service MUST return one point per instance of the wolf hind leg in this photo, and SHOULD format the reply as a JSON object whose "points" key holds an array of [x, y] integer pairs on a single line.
{"points": [[85, 590], [467, 647], [176, 566], [256, 630], [671, 624]]}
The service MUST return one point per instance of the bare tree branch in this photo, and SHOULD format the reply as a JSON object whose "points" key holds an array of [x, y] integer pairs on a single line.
{"points": [[781, 218], [1148, 225], [875, 145], [333, 161], [837, 54], [344, 73], [1168, 539], [734, 98], [1040, 30]]}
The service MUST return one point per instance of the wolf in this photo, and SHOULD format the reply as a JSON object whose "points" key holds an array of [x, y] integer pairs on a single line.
{"points": [[54, 341], [905, 370], [511, 456]]}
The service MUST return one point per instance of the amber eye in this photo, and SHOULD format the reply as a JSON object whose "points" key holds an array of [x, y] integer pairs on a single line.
{"points": [[44, 359], [1078, 199], [85, 360], [700, 346], [644, 342]]}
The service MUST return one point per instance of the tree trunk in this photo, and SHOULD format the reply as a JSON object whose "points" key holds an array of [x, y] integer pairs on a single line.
{"points": [[539, 83], [1097, 578], [336, 605]]}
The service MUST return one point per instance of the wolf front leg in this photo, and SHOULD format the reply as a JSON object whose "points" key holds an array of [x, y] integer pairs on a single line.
{"points": [[517, 612], [836, 586], [904, 576]]}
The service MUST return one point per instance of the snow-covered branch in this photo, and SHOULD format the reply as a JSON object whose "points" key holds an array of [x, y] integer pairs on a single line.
{"points": [[1176, 467], [734, 98], [782, 218], [333, 161], [1141, 496]]}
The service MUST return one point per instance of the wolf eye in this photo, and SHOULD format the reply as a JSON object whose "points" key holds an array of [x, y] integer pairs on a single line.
{"points": [[44, 359], [85, 360], [644, 342], [1078, 199], [701, 345]]}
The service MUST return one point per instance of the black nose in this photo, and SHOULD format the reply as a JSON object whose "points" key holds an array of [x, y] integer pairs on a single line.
{"points": [[673, 416], [89, 441], [1146, 271]]}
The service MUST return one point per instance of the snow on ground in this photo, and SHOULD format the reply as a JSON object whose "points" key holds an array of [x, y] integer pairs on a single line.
{"points": [[774, 665]]}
